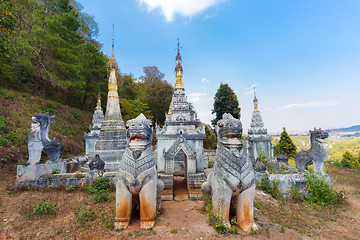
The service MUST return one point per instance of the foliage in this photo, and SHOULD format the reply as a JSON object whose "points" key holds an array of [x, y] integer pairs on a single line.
{"points": [[71, 188], [350, 161], [44, 208], [7, 27], [210, 141], [132, 108], [285, 145], [157, 93], [85, 214], [101, 188], [270, 187], [27, 187], [296, 195], [320, 191], [262, 156], [210, 164], [225, 101], [220, 225], [174, 231]]}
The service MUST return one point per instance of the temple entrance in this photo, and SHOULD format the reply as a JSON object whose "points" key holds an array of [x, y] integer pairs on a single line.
{"points": [[180, 186]]}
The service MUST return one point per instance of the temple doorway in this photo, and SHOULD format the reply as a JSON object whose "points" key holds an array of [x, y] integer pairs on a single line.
{"points": [[180, 186]]}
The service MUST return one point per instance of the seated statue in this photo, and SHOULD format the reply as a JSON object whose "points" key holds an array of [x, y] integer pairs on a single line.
{"points": [[316, 155], [137, 177], [232, 179]]}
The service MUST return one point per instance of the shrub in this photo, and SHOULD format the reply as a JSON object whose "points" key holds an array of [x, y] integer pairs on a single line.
{"points": [[320, 191], [44, 208], [101, 197], [101, 188], [71, 188], [85, 214], [350, 161], [270, 187], [296, 195], [210, 164]]}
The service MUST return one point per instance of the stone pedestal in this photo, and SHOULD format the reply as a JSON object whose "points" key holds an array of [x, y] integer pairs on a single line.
{"points": [[33, 172]]}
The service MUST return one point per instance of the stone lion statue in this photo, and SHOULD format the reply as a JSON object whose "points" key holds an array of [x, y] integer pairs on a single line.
{"points": [[137, 178], [316, 155], [232, 179]]}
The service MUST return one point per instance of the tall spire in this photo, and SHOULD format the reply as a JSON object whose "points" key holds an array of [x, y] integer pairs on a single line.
{"points": [[112, 64], [178, 70], [255, 102]]}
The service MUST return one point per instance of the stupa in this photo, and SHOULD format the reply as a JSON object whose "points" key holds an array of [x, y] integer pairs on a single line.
{"points": [[258, 140], [112, 141], [93, 136], [180, 143]]}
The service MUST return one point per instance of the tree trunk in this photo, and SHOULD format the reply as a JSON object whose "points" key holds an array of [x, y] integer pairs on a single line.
{"points": [[83, 103]]}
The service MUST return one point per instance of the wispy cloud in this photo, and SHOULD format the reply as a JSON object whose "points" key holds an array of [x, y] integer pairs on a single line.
{"points": [[197, 94], [187, 8], [205, 80], [196, 97], [267, 109], [250, 90], [311, 104]]}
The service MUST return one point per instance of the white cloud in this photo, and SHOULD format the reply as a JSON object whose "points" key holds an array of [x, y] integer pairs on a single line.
{"points": [[311, 104], [197, 94], [196, 97], [267, 109], [250, 90], [187, 8], [205, 80]]}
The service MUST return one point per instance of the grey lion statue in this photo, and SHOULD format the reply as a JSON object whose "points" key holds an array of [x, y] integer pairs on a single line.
{"points": [[232, 179], [316, 155], [137, 177], [53, 148]]}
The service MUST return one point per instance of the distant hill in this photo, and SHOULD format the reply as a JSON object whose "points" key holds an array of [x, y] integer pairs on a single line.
{"points": [[355, 128]]}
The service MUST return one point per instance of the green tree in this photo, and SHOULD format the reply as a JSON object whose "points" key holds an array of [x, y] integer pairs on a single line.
{"points": [[157, 93], [285, 145], [132, 108], [210, 139], [7, 27], [225, 101]]}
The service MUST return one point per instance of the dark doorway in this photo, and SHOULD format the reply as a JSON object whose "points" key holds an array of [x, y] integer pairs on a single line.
{"points": [[180, 176]]}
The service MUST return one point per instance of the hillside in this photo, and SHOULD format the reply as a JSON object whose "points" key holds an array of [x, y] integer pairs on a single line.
{"points": [[16, 110]]}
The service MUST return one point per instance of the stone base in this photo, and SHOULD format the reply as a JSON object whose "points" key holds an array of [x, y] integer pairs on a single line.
{"points": [[33, 172], [194, 182]]}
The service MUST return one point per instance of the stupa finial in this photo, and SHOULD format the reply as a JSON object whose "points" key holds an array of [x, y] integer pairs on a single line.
{"points": [[255, 102], [178, 69], [112, 64]]}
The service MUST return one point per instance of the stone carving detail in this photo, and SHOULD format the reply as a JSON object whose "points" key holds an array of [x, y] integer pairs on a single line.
{"points": [[137, 176], [232, 179], [316, 155], [53, 148]]}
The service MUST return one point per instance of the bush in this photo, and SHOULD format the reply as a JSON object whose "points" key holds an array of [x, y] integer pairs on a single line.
{"points": [[296, 195], [270, 187], [44, 208], [320, 191], [210, 164], [85, 214], [350, 161], [101, 188], [101, 197]]}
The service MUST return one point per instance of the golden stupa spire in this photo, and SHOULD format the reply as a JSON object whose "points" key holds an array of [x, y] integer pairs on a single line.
{"points": [[98, 106], [255, 102], [112, 64], [178, 70]]}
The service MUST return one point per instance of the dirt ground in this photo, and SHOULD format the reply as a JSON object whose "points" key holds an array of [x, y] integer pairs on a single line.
{"points": [[179, 219]]}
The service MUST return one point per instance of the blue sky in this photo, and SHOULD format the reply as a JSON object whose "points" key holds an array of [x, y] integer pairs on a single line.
{"points": [[303, 56]]}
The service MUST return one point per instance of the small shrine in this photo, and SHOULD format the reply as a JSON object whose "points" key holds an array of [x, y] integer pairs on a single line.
{"points": [[93, 136], [180, 143], [258, 140], [112, 140]]}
